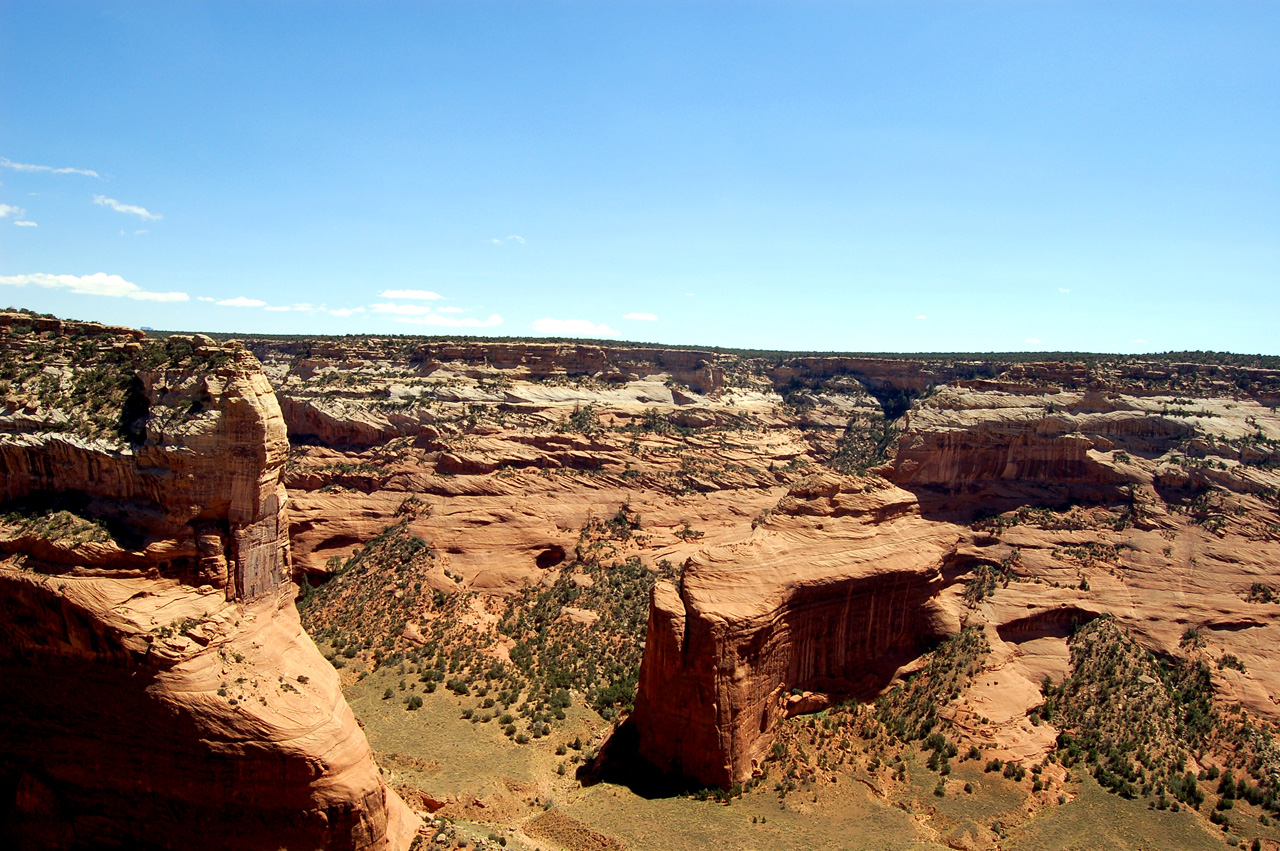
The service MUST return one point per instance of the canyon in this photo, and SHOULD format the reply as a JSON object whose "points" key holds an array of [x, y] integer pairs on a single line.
{"points": [[851, 579], [838, 546], [687, 552]]}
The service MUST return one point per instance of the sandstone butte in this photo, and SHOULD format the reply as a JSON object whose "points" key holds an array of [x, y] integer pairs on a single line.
{"points": [[802, 586], [158, 688]]}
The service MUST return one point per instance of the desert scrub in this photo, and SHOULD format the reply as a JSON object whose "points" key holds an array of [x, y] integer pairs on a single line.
{"points": [[355, 603], [91, 378], [865, 443], [58, 525], [1135, 721], [583, 420], [382, 588], [1088, 554], [988, 576], [1074, 518], [601, 661], [909, 711], [1127, 717], [1261, 593], [815, 748]]}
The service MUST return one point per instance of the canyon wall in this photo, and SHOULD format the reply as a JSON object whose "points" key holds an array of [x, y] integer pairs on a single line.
{"points": [[751, 622], [1160, 512], [159, 690], [1017, 495]]}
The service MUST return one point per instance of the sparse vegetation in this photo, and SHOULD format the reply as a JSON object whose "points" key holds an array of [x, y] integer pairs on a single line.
{"points": [[552, 655], [82, 380], [1138, 721]]}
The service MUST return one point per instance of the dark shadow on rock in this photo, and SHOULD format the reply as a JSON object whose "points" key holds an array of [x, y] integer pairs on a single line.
{"points": [[553, 555], [965, 505], [132, 425], [118, 518], [1054, 623], [619, 762]]}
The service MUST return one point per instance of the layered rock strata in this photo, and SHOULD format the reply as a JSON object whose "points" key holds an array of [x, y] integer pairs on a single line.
{"points": [[1160, 512], [833, 595], [159, 690], [1151, 481]]}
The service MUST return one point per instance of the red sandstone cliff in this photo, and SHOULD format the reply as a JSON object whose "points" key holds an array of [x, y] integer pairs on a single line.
{"points": [[753, 621], [159, 690], [848, 580]]}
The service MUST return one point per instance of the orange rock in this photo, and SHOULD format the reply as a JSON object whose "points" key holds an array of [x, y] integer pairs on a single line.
{"points": [[158, 686], [830, 584]]}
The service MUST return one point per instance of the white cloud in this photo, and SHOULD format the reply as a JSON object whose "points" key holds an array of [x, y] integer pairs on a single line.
{"points": [[515, 237], [641, 317], [7, 210], [1063, 290], [241, 301], [1033, 340], [572, 328], [1139, 342], [277, 308], [400, 309], [305, 307], [141, 232], [22, 223], [452, 321], [7, 163], [448, 310], [921, 316], [204, 298], [96, 284], [131, 209], [346, 311], [420, 295]]}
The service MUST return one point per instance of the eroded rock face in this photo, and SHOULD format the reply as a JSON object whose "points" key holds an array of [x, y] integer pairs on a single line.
{"points": [[1161, 513], [965, 440], [159, 690], [753, 621], [1149, 489]]}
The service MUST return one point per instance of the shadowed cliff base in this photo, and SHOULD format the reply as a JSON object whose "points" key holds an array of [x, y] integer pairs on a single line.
{"points": [[619, 761]]}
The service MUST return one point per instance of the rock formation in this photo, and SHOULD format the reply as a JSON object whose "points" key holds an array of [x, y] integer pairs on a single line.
{"points": [[851, 579], [1022, 496], [836, 592], [159, 690]]}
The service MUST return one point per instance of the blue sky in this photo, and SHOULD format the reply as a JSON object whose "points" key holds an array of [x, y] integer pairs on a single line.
{"points": [[848, 176]]}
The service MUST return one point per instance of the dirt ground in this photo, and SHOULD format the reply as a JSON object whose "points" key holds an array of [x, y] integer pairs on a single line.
{"points": [[486, 785]]}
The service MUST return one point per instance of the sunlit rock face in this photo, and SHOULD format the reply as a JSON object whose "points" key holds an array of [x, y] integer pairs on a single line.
{"points": [[159, 690], [832, 595], [1157, 510]]}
